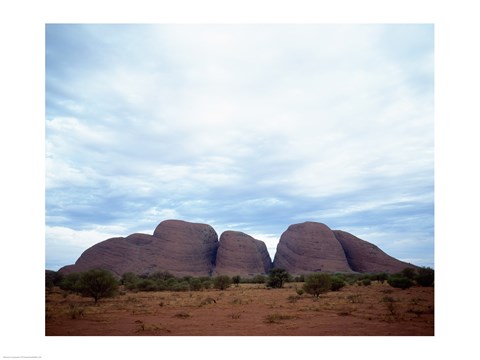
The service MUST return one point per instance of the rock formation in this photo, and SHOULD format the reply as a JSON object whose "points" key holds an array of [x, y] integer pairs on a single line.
{"points": [[310, 247], [366, 257], [183, 248], [178, 247], [241, 254]]}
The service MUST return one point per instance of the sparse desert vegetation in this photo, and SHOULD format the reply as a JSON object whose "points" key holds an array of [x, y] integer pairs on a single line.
{"points": [[192, 306]]}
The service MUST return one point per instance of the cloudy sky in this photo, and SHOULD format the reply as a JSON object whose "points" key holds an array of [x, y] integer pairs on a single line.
{"points": [[244, 127]]}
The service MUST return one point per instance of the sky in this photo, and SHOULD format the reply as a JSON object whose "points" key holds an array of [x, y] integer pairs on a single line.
{"points": [[243, 127]]}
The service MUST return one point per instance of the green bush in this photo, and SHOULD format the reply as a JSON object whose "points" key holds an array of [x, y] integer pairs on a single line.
{"points": [[259, 279], [130, 281], [398, 281], [97, 283], [317, 283], [207, 284], [195, 284], [336, 283], [181, 286], [277, 278], [409, 273], [367, 282], [146, 285], [49, 276], [236, 279], [161, 275], [52, 278], [350, 279], [71, 282], [380, 277], [222, 282], [425, 277]]}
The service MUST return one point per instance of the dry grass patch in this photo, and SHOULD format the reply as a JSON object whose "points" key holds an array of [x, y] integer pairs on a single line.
{"points": [[182, 315], [277, 318]]}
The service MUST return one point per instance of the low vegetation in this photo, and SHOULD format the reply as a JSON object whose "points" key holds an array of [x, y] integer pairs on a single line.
{"points": [[317, 283], [222, 282], [277, 278], [161, 304], [95, 283], [99, 284]]}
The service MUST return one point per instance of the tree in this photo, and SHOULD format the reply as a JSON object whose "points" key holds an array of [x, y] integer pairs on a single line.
{"points": [[381, 277], [277, 278], [409, 273], [49, 279], [317, 283], [236, 279], [130, 280], [71, 282], [222, 282], [425, 276], [97, 283]]}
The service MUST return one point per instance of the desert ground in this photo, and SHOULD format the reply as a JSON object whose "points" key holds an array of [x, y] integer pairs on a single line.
{"points": [[247, 309]]}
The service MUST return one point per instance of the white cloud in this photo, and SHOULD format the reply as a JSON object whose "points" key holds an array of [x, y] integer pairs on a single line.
{"points": [[82, 238], [216, 122], [64, 245], [270, 240]]}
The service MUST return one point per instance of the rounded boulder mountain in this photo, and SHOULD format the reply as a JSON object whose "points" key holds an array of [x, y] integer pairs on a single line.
{"points": [[187, 248], [179, 247], [310, 247], [365, 257], [241, 254]]}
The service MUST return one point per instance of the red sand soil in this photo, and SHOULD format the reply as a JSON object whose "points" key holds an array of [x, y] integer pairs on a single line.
{"points": [[248, 309]]}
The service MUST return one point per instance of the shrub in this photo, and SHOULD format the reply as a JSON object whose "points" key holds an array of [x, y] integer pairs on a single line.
{"points": [[276, 318], [259, 279], [277, 278], [236, 279], [146, 285], [336, 283], [170, 283], [317, 283], [300, 278], [300, 291], [49, 275], [390, 302], [398, 281], [97, 283], [380, 277], [52, 278], [76, 311], [71, 282], [222, 282], [182, 315], [181, 286], [351, 279], [409, 273], [195, 284], [161, 275], [207, 284], [367, 282], [130, 280], [425, 277]]}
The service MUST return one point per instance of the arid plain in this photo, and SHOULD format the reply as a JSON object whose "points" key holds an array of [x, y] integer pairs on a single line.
{"points": [[247, 309]]}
